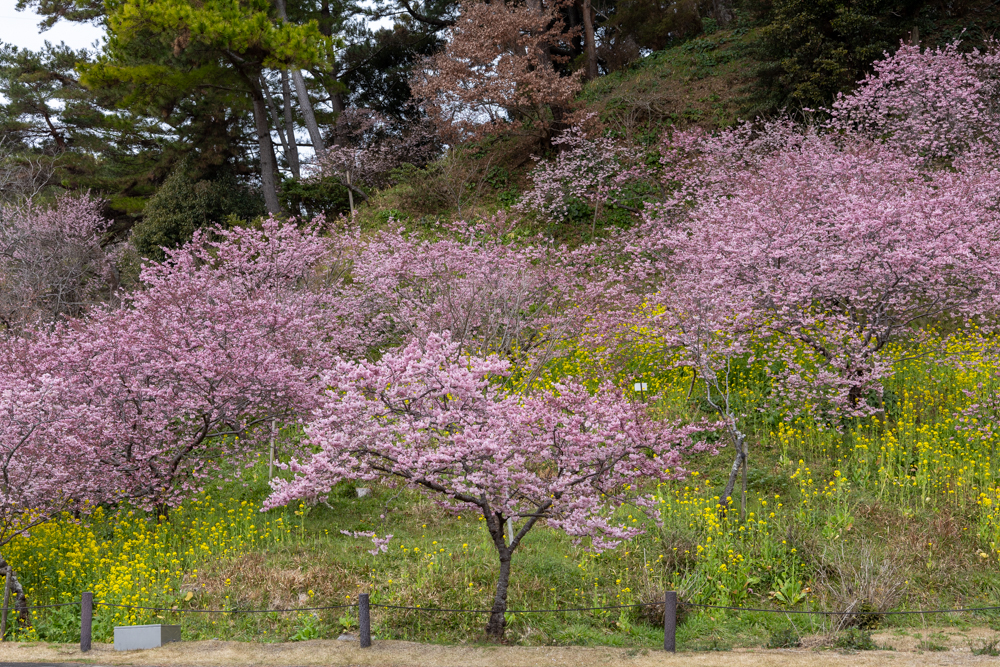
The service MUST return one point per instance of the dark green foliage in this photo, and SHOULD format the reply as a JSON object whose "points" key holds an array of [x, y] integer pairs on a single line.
{"points": [[90, 145], [786, 637], [70, 10], [311, 197], [184, 204], [379, 66], [855, 639], [809, 50], [988, 646], [635, 25]]}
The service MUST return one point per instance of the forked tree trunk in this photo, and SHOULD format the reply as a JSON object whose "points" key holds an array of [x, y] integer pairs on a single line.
{"points": [[262, 124], [505, 546], [305, 104], [287, 138]]}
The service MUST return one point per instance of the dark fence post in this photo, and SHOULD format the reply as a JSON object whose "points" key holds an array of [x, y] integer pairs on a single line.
{"points": [[365, 620], [670, 622], [86, 620], [6, 601]]}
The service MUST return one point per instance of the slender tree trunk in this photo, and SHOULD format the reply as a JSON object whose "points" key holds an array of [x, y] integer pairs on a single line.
{"points": [[287, 143], [350, 193], [589, 38], [268, 162], [305, 104], [739, 464], [743, 493], [293, 150], [495, 627]]}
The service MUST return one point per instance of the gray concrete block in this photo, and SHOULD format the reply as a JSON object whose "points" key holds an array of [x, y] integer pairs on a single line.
{"points": [[135, 637]]}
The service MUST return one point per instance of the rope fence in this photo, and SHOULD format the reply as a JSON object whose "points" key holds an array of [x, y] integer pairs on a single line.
{"points": [[364, 607]]}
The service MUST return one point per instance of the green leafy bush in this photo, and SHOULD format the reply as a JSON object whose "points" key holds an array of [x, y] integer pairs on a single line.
{"points": [[855, 639], [184, 204]]}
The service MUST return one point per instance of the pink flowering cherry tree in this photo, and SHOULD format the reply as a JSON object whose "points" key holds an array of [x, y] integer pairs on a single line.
{"points": [[934, 103], [837, 247], [433, 419], [52, 261], [493, 296], [819, 249], [224, 337], [47, 464], [596, 171], [369, 147]]}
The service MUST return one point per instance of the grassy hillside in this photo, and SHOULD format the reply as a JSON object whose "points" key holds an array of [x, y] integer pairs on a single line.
{"points": [[895, 512], [698, 82]]}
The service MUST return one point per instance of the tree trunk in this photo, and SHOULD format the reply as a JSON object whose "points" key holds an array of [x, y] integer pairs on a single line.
{"points": [[20, 598], [293, 149], [589, 42], [743, 493], [739, 464], [495, 627], [268, 162], [305, 104], [287, 143]]}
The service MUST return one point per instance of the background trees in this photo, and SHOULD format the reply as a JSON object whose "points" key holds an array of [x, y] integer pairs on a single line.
{"points": [[497, 72]]}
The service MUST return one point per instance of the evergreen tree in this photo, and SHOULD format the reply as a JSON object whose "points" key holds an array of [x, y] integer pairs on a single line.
{"points": [[172, 53], [184, 204]]}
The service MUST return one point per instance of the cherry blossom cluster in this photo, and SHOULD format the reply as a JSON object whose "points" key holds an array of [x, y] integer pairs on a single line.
{"points": [[370, 148], [935, 103], [187, 374], [594, 171], [490, 295], [833, 245]]}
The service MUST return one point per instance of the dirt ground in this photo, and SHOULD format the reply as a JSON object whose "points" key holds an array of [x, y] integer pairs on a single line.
{"points": [[950, 646]]}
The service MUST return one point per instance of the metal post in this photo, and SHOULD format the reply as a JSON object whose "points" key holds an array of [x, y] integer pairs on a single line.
{"points": [[86, 620], [270, 456], [365, 620], [670, 622], [6, 601]]}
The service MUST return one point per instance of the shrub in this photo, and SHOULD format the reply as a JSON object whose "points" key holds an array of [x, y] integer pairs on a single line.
{"points": [[987, 646], [810, 51], [855, 639], [786, 637], [184, 204]]}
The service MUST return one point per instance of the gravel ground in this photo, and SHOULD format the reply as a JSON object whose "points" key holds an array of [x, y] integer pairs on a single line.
{"points": [[951, 648]]}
